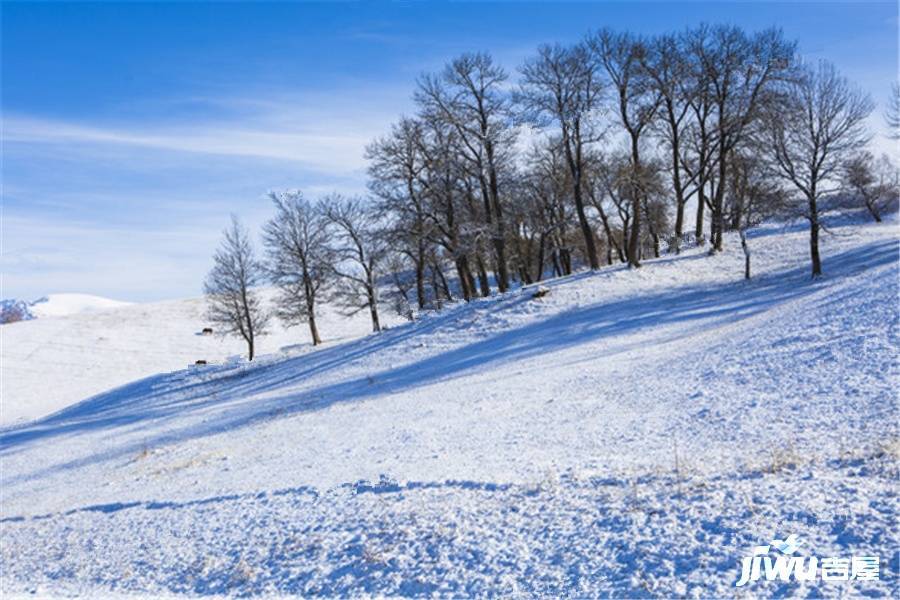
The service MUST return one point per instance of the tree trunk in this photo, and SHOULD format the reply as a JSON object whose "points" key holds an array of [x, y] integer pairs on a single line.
{"points": [[874, 211], [499, 232], [373, 308], [470, 279], [502, 275], [313, 330], [746, 248], [719, 202], [653, 235], [634, 240], [610, 240], [524, 275], [420, 279], [586, 231], [566, 258], [436, 291], [309, 299], [738, 214], [701, 204], [589, 246], [634, 237], [250, 348], [542, 243], [444, 285], [814, 237], [676, 174], [483, 281], [713, 228], [463, 279], [679, 225]]}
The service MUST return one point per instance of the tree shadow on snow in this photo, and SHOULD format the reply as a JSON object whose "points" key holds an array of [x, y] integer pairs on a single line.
{"points": [[220, 399]]}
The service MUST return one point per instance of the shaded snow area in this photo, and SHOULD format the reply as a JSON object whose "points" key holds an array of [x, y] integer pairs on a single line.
{"points": [[632, 433]]}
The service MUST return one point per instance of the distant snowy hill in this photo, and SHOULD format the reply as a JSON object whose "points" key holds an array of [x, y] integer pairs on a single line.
{"points": [[63, 305], [632, 433], [56, 305]]}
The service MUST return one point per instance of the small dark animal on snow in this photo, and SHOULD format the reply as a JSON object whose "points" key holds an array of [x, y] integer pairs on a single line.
{"points": [[207, 331], [200, 362], [540, 292]]}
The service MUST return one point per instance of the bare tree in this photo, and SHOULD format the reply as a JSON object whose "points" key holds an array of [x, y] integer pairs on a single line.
{"points": [[620, 56], [682, 119], [359, 250], [296, 240], [739, 70], [442, 178], [395, 173], [398, 294], [876, 182], [611, 181], [653, 191], [545, 185], [759, 196], [470, 95], [560, 86], [699, 144], [820, 122], [232, 303]]}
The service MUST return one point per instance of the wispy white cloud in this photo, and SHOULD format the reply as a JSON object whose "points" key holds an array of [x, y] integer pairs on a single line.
{"points": [[323, 133], [333, 153]]}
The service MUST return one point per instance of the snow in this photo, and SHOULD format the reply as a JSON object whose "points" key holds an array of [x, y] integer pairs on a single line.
{"points": [[63, 305], [48, 364], [630, 433], [60, 305]]}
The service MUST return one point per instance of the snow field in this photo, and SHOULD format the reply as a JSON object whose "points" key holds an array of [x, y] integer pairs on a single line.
{"points": [[633, 433]]}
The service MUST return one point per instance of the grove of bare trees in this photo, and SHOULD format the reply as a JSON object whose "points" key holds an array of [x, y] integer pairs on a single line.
{"points": [[587, 154]]}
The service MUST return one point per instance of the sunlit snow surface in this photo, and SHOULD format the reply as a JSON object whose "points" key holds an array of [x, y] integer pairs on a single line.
{"points": [[64, 305], [79, 346], [633, 433]]}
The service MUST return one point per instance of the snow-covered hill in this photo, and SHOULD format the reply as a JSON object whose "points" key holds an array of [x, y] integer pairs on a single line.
{"points": [[58, 305], [63, 305], [633, 433], [94, 344]]}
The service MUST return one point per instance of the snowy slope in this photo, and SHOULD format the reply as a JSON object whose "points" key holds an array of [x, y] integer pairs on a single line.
{"points": [[94, 344], [633, 433]]}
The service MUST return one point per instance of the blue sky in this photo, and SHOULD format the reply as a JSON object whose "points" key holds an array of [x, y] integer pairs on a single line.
{"points": [[131, 131]]}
